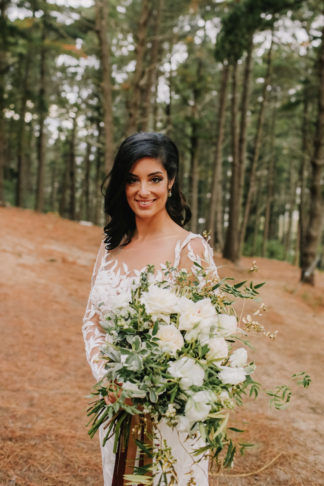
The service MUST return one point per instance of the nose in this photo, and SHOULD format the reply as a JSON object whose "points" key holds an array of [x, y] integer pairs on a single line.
{"points": [[144, 189]]}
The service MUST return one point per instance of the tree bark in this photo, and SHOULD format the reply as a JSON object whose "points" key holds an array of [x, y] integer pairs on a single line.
{"points": [[270, 185], [42, 111], [231, 248], [291, 205], [21, 180], [303, 175], [138, 79], [244, 110], [72, 174], [98, 199], [257, 147], [215, 225], [3, 67], [315, 225], [86, 184], [102, 29], [194, 143], [147, 111]]}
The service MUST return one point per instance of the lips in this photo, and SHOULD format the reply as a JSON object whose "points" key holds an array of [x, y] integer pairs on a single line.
{"points": [[144, 203]]}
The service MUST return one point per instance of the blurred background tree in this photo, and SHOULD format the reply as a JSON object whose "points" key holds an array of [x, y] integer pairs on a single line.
{"points": [[237, 84]]}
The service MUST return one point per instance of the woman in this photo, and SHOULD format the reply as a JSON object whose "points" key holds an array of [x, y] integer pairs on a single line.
{"points": [[147, 213]]}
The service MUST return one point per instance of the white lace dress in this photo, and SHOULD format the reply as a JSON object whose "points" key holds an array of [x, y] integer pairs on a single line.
{"points": [[108, 283]]}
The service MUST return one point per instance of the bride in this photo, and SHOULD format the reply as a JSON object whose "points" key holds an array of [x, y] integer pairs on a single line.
{"points": [[147, 212]]}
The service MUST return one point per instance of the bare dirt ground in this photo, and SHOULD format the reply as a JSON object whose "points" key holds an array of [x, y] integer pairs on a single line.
{"points": [[45, 273]]}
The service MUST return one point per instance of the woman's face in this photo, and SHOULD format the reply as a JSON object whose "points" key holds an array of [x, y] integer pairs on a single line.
{"points": [[147, 187]]}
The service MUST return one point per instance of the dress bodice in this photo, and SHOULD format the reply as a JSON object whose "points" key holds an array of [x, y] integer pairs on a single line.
{"points": [[112, 284]]}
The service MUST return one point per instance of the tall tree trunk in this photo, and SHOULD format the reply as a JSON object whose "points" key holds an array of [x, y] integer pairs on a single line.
{"points": [[136, 92], [303, 175], [53, 187], [257, 147], [86, 184], [21, 181], [215, 225], [168, 105], [231, 248], [42, 111], [194, 149], [65, 182], [270, 185], [315, 225], [244, 111], [147, 111], [72, 170], [291, 206], [3, 68], [258, 213], [102, 29], [98, 199]]}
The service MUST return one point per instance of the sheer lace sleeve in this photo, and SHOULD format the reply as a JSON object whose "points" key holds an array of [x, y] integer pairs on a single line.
{"points": [[196, 249], [93, 335]]}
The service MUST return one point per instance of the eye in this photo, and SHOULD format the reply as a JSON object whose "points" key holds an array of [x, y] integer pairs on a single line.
{"points": [[130, 180], [156, 179]]}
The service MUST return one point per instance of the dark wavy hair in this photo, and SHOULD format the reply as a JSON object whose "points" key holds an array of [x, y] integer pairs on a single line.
{"points": [[121, 223]]}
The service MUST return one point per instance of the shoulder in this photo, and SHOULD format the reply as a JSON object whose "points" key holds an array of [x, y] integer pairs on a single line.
{"points": [[196, 243], [195, 248]]}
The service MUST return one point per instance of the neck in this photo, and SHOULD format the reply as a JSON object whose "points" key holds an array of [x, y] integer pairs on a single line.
{"points": [[158, 226]]}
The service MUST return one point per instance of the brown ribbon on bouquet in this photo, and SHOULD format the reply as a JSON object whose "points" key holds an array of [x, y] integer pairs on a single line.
{"points": [[140, 429]]}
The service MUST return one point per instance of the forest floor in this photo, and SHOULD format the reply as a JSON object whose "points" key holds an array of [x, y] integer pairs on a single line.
{"points": [[46, 264]]}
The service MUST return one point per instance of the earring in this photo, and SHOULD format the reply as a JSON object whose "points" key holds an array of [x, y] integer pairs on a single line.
{"points": [[169, 193]]}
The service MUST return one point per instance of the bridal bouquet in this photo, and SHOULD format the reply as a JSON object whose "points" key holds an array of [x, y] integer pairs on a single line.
{"points": [[174, 352]]}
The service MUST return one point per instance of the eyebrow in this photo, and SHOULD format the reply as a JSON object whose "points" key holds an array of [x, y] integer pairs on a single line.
{"points": [[149, 175]]}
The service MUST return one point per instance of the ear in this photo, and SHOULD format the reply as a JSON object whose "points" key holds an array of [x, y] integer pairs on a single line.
{"points": [[170, 183]]}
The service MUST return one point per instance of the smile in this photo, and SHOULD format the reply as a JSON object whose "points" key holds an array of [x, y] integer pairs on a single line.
{"points": [[144, 203]]}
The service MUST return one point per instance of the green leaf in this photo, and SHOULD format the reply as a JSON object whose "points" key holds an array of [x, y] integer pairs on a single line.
{"points": [[235, 429], [229, 455], [238, 285]]}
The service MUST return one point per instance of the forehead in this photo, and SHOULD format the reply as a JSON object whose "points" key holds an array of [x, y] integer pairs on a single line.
{"points": [[147, 165]]}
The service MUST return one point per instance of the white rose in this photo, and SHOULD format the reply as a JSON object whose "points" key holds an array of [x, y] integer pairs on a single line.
{"points": [[218, 348], [120, 300], [184, 424], [170, 338], [198, 406], [239, 357], [193, 313], [159, 301], [189, 372], [232, 376], [133, 390], [227, 324]]}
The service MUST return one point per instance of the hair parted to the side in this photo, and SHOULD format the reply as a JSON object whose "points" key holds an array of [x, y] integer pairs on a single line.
{"points": [[121, 226]]}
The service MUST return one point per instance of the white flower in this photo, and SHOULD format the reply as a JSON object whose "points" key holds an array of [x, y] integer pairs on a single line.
{"points": [[225, 399], [170, 338], [159, 301], [120, 301], [218, 348], [227, 324], [184, 424], [189, 372], [198, 406], [239, 358], [133, 389], [193, 313], [232, 376]]}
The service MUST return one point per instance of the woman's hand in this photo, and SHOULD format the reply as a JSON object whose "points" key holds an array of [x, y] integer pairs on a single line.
{"points": [[114, 393]]}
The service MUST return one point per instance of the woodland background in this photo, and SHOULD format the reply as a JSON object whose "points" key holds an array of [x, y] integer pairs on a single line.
{"points": [[239, 86]]}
